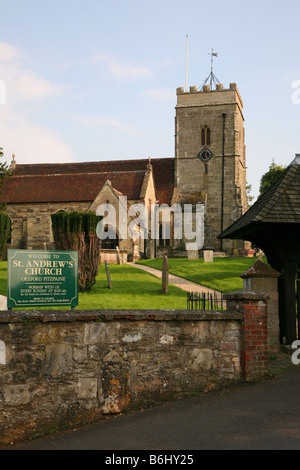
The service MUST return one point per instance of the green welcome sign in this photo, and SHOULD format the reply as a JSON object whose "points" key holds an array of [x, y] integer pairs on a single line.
{"points": [[42, 278]]}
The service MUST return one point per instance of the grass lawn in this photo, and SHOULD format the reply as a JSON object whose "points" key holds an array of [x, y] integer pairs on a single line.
{"points": [[222, 275], [131, 289], [136, 289]]}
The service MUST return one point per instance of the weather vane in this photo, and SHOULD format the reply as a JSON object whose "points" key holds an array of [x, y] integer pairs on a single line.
{"points": [[211, 77]]}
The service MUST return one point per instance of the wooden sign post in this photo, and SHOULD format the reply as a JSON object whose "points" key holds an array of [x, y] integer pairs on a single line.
{"points": [[165, 275]]}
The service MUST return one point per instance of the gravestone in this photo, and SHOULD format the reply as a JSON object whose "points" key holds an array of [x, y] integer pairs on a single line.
{"points": [[118, 255], [208, 256], [192, 253], [165, 275], [108, 275]]}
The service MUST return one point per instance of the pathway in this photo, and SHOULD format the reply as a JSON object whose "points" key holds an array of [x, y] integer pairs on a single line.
{"points": [[177, 281]]}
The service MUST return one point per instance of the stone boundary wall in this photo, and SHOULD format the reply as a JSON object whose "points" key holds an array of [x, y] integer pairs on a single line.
{"points": [[60, 369]]}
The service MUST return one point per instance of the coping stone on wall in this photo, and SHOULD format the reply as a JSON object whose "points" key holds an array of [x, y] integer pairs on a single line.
{"points": [[16, 316]]}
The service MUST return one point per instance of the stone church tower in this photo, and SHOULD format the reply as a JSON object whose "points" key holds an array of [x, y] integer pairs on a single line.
{"points": [[210, 162]]}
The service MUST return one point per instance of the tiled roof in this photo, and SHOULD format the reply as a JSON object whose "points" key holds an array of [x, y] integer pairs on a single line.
{"points": [[74, 182], [279, 204], [260, 269]]}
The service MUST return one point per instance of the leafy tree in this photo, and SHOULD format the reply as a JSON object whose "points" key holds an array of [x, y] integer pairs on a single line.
{"points": [[274, 172], [5, 227], [248, 193], [4, 174]]}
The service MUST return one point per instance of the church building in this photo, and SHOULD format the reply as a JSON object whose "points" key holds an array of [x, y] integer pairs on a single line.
{"points": [[208, 170]]}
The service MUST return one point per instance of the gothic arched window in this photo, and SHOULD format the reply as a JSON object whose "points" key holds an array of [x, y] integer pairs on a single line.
{"points": [[205, 136], [111, 241], [164, 234]]}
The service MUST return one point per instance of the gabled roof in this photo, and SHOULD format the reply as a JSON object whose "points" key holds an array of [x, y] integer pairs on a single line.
{"points": [[81, 182], [280, 204], [260, 269]]}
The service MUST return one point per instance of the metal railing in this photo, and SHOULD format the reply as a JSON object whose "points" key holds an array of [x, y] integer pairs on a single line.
{"points": [[206, 301]]}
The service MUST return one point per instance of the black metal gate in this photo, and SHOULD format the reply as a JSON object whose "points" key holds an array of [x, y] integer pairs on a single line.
{"points": [[206, 301]]}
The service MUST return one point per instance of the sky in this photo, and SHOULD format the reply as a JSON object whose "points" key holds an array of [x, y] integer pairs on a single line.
{"points": [[96, 80]]}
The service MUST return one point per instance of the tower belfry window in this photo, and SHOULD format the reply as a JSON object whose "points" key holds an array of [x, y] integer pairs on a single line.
{"points": [[205, 136]]}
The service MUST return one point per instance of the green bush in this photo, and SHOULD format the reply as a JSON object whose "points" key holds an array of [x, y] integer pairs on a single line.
{"points": [[76, 231], [4, 231]]}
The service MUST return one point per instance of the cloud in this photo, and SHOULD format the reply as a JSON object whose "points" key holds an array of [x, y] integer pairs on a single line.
{"points": [[21, 82], [102, 122], [31, 143], [118, 70], [160, 94], [126, 72], [30, 86], [9, 52], [21, 89], [25, 85]]}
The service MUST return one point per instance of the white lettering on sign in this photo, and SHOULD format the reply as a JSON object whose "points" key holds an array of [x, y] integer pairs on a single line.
{"points": [[2, 353]]}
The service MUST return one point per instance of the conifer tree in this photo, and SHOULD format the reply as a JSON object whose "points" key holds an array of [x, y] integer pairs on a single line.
{"points": [[76, 231]]}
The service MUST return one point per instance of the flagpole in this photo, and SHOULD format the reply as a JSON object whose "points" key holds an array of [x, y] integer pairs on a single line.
{"points": [[186, 63], [211, 68]]}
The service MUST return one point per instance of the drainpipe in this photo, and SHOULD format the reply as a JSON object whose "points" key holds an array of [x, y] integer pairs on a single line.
{"points": [[223, 176]]}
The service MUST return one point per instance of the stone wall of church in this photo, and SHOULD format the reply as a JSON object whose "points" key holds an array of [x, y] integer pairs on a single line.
{"points": [[32, 223]]}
